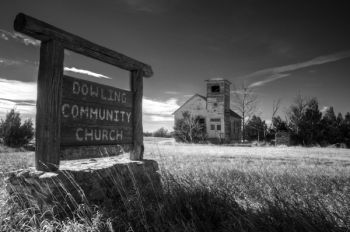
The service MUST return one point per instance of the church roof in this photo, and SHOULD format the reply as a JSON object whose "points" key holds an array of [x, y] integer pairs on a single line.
{"points": [[196, 95], [234, 114]]}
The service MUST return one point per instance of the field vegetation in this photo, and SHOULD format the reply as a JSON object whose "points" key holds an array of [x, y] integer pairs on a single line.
{"points": [[214, 188]]}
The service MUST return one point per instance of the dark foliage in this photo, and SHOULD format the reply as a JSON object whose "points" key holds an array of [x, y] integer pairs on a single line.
{"points": [[162, 132], [14, 133], [256, 129]]}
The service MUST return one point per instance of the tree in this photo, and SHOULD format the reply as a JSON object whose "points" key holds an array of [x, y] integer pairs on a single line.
{"points": [[330, 128], [161, 132], [275, 107], [296, 112], [345, 130], [244, 101], [190, 129], [256, 128], [278, 124], [13, 133], [310, 125]]}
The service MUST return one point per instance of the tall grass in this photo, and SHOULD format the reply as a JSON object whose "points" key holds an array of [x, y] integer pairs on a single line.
{"points": [[210, 188]]}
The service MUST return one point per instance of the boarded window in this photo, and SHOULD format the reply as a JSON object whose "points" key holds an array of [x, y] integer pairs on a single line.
{"points": [[215, 89]]}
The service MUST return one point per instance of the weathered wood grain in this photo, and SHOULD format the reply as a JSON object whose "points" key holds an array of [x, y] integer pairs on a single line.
{"points": [[44, 31], [48, 115], [136, 83]]}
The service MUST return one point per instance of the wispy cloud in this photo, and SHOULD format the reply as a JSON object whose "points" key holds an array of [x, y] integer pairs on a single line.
{"points": [[172, 92], [6, 35], [19, 95], [275, 73], [9, 62], [17, 90], [85, 72], [158, 108], [269, 79]]}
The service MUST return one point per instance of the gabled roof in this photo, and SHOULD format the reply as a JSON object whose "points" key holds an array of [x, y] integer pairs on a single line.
{"points": [[234, 114], [196, 95]]}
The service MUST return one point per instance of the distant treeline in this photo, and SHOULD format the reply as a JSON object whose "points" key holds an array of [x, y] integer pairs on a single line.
{"points": [[161, 132], [307, 125]]}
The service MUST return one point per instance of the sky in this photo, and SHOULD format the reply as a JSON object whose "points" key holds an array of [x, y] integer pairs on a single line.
{"points": [[278, 48]]}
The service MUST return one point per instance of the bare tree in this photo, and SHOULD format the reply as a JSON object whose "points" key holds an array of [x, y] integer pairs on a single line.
{"points": [[244, 101], [189, 129], [275, 107], [296, 111]]}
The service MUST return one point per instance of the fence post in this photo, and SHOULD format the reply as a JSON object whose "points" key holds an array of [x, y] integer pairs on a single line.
{"points": [[48, 116]]}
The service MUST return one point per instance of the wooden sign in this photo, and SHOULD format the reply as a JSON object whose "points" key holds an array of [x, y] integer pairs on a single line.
{"points": [[76, 113], [95, 114]]}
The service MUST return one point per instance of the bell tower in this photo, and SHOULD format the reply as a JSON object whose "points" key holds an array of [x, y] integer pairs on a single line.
{"points": [[218, 108], [218, 95]]}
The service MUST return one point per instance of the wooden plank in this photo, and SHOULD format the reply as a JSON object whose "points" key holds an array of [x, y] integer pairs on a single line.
{"points": [[82, 90], [136, 83], [48, 106], [80, 135], [44, 31]]}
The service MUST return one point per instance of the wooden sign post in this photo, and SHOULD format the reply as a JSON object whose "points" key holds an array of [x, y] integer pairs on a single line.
{"points": [[74, 112]]}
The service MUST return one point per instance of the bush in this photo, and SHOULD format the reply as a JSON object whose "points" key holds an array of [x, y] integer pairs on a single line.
{"points": [[13, 133], [190, 129], [162, 132]]}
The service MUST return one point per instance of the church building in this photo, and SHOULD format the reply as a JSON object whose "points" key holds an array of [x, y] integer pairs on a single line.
{"points": [[222, 124]]}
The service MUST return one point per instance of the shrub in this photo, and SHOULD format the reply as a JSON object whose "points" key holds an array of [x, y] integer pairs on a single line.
{"points": [[161, 132], [14, 133], [190, 129]]}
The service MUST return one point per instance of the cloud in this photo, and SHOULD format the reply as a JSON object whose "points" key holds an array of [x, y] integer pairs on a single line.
{"points": [[324, 109], [160, 110], [17, 90], [86, 72], [275, 73], [172, 92], [8, 62], [157, 118], [19, 95], [270, 79], [5, 35]]}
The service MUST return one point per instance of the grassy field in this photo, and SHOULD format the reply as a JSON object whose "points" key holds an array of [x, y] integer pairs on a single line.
{"points": [[217, 188]]}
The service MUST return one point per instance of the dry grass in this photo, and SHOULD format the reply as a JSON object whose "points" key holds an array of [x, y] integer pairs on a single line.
{"points": [[211, 188]]}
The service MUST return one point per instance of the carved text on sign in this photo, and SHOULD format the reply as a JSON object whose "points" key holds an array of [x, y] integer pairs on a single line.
{"points": [[95, 114]]}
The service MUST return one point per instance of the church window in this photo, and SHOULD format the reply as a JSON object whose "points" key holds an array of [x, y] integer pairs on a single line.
{"points": [[215, 89]]}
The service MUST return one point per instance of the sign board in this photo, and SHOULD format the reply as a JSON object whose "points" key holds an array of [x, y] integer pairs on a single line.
{"points": [[74, 113], [95, 114]]}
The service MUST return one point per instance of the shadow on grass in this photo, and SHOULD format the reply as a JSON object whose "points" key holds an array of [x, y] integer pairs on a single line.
{"points": [[184, 205]]}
